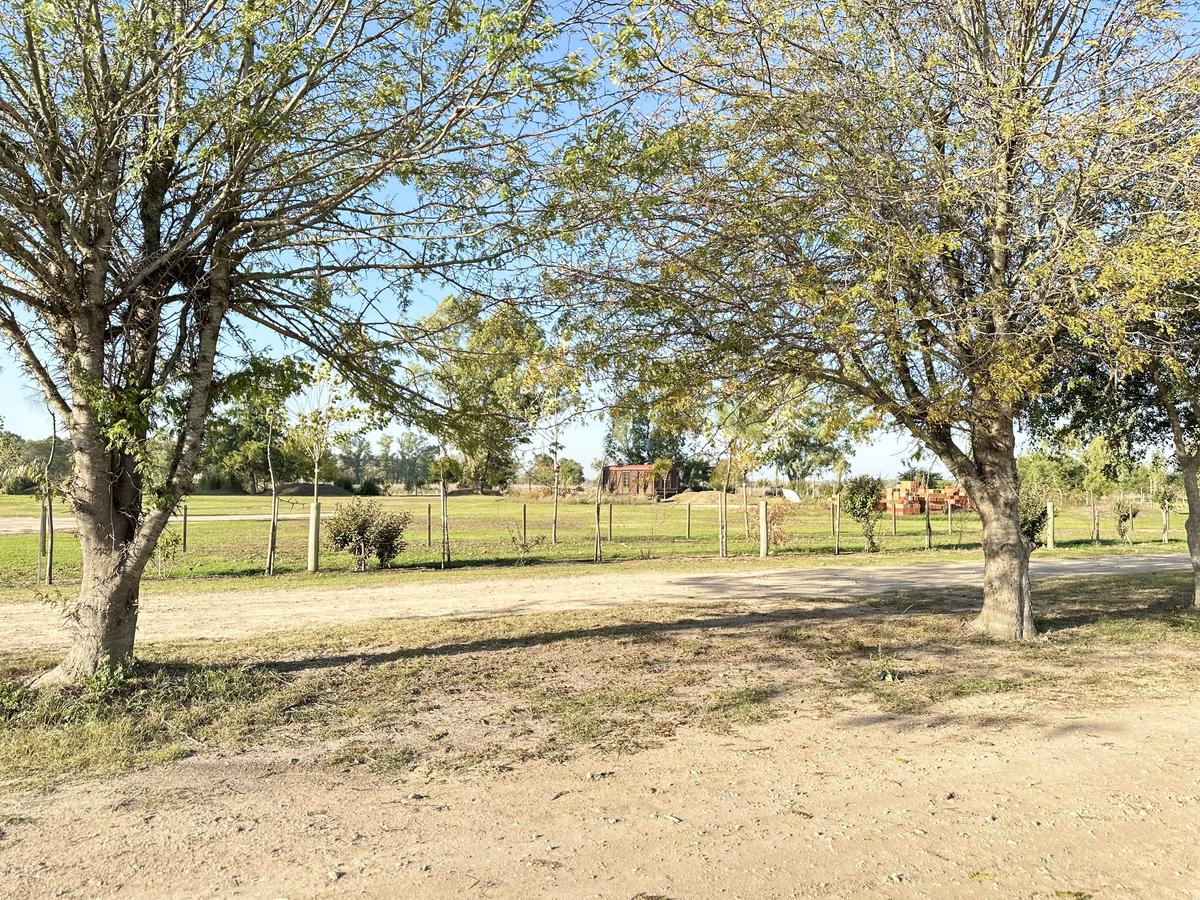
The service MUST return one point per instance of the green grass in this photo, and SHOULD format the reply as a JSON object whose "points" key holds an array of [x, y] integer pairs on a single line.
{"points": [[479, 693], [482, 534]]}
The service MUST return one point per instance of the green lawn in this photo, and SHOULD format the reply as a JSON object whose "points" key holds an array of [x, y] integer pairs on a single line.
{"points": [[485, 532]]}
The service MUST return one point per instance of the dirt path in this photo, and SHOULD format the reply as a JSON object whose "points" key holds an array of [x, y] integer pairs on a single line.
{"points": [[979, 802], [27, 626]]}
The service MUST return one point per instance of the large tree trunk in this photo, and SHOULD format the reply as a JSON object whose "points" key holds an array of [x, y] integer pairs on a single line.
{"points": [[1191, 487], [1007, 612], [116, 545], [991, 480]]}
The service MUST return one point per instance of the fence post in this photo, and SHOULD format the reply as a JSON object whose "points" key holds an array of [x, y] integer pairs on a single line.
{"points": [[41, 544], [598, 553], [428, 524], [837, 526], [610, 515], [184, 542], [524, 523], [763, 537], [314, 536], [928, 526], [1049, 524], [445, 525], [50, 540], [689, 521], [950, 519], [273, 532], [720, 528], [894, 531], [1166, 514]]}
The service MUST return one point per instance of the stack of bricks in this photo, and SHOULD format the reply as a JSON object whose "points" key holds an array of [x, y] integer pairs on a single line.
{"points": [[905, 498], [908, 498]]}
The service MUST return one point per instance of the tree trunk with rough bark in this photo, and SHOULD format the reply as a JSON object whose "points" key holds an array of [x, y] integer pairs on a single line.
{"points": [[116, 542], [990, 477], [1191, 487], [1007, 611]]}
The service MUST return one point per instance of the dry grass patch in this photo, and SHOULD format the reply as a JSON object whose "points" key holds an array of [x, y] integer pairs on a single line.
{"points": [[480, 693]]}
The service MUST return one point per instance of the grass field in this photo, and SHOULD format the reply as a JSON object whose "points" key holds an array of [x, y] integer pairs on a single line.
{"points": [[485, 531]]}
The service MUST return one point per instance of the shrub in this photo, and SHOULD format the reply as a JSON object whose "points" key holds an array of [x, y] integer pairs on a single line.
{"points": [[1125, 512], [860, 501], [365, 529], [370, 488], [17, 482], [1031, 508]]}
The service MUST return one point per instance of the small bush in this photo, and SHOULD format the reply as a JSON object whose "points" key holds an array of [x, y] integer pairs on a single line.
{"points": [[11, 700], [522, 545], [370, 488], [860, 501], [1034, 515], [17, 483], [1125, 511], [365, 529]]}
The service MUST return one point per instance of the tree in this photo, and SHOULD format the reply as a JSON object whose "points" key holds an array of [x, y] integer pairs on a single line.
{"points": [[177, 180], [662, 471], [1054, 476], [919, 474], [1144, 401], [482, 365], [324, 417], [635, 438], [803, 448], [911, 202], [570, 472], [354, 454], [860, 499]]}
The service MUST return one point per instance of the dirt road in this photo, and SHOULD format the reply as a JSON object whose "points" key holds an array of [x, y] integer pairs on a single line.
{"points": [[975, 802], [26, 626]]}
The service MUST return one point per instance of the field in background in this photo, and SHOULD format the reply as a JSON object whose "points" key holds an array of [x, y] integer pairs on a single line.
{"points": [[486, 531]]}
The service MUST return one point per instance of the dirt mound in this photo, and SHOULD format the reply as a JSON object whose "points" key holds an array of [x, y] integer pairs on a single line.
{"points": [[305, 488]]}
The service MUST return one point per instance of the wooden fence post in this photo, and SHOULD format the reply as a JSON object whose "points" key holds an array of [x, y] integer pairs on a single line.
{"points": [[764, 547], [428, 524], [314, 536], [689, 521], [273, 532], [524, 523], [445, 524], [1049, 524], [37, 569], [894, 531], [610, 517], [50, 540], [837, 526], [185, 517], [1166, 516], [950, 519]]}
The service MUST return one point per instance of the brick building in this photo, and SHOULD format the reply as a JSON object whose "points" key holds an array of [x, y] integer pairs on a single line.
{"points": [[639, 479]]}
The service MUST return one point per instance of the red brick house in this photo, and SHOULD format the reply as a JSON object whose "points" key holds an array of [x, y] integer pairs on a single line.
{"points": [[639, 479]]}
